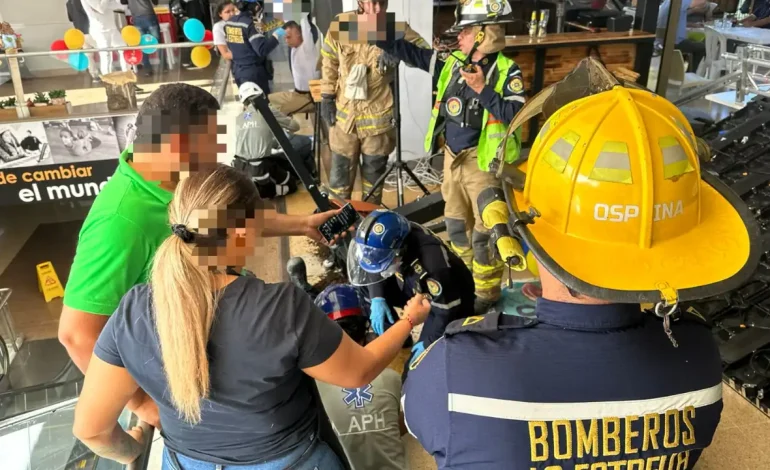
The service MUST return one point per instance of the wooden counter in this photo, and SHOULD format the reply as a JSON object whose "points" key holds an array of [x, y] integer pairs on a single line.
{"points": [[546, 61], [577, 39]]}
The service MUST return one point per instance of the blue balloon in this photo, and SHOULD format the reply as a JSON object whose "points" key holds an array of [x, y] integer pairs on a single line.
{"points": [[78, 61], [148, 40], [194, 30]]}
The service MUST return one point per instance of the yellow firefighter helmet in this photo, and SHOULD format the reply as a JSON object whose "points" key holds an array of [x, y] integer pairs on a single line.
{"points": [[615, 205]]}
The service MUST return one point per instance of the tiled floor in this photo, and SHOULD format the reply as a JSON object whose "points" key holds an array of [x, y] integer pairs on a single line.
{"points": [[742, 441]]}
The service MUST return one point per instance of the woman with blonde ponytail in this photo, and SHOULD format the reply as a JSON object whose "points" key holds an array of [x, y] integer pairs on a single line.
{"points": [[228, 358]]}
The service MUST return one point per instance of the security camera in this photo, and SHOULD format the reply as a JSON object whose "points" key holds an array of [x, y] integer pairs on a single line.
{"points": [[248, 91]]}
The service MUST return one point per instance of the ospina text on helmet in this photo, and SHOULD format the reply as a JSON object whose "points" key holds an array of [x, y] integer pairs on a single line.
{"points": [[623, 213]]}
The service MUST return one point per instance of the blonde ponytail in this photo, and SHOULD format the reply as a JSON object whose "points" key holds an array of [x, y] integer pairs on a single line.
{"points": [[184, 292]]}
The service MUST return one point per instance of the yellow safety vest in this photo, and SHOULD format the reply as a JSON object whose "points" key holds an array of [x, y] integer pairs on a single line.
{"points": [[494, 130]]}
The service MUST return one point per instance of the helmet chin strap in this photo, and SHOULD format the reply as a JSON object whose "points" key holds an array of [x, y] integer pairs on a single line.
{"points": [[468, 67]]}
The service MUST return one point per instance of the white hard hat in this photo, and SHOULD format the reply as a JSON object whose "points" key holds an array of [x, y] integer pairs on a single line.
{"points": [[248, 90], [478, 12]]}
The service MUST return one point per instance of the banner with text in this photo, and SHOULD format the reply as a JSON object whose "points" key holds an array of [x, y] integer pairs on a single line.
{"points": [[59, 160]]}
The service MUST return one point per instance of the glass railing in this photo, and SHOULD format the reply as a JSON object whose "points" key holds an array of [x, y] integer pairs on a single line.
{"points": [[8, 337], [43, 440], [15, 402], [98, 81], [62, 384]]}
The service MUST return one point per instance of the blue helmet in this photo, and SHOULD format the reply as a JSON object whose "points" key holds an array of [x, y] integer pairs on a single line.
{"points": [[339, 301], [342, 304], [380, 238]]}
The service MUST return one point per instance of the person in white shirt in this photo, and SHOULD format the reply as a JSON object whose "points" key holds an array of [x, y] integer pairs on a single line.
{"points": [[102, 28], [225, 10], [304, 39]]}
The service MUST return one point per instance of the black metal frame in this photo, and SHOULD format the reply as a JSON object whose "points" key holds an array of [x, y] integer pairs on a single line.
{"points": [[399, 164], [263, 107]]}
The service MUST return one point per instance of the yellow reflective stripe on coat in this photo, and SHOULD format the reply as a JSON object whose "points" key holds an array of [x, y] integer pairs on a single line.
{"points": [[330, 45]]}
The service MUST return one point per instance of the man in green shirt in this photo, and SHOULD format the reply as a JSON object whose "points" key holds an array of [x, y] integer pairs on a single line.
{"points": [[176, 134]]}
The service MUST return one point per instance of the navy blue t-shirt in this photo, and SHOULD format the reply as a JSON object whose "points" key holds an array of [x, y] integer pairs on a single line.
{"points": [[260, 404]]}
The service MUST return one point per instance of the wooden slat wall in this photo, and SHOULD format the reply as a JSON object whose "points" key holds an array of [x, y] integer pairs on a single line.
{"points": [[559, 61]]}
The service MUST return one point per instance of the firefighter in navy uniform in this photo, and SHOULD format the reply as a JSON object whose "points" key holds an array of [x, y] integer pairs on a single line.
{"points": [[396, 260], [250, 47], [479, 91], [592, 381]]}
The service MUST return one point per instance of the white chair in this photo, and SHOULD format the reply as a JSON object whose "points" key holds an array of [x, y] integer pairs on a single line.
{"points": [[679, 79], [713, 64]]}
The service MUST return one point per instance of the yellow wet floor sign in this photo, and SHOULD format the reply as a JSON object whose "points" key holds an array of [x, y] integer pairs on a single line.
{"points": [[48, 281]]}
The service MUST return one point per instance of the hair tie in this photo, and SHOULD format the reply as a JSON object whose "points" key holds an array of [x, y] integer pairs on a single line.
{"points": [[181, 231]]}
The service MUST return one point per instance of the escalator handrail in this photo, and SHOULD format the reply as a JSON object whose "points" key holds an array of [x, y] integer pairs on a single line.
{"points": [[30, 415], [143, 460], [139, 464], [38, 388], [5, 294]]}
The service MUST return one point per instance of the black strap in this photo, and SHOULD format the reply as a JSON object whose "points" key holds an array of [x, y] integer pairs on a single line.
{"points": [[313, 29]]}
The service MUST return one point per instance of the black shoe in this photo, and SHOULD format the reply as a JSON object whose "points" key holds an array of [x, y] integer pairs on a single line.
{"points": [[298, 274], [138, 90], [482, 307]]}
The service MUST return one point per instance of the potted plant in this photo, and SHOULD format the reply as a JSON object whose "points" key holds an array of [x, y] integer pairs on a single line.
{"points": [[58, 97], [8, 110], [40, 99]]}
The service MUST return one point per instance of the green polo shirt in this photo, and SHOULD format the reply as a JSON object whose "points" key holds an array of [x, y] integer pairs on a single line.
{"points": [[126, 224]]}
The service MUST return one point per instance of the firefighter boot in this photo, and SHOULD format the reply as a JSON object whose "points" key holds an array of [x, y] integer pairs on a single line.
{"points": [[298, 274], [458, 240], [373, 166], [487, 274]]}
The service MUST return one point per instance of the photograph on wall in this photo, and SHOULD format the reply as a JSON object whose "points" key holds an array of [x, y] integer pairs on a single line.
{"points": [[124, 128], [82, 140], [24, 144]]}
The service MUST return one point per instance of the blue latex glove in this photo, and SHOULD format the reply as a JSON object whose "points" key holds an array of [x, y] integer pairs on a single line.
{"points": [[279, 33], [417, 350], [380, 313]]}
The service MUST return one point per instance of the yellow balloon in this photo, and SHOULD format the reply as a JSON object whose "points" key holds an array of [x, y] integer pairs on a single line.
{"points": [[200, 56], [131, 36], [532, 265], [74, 39]]}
